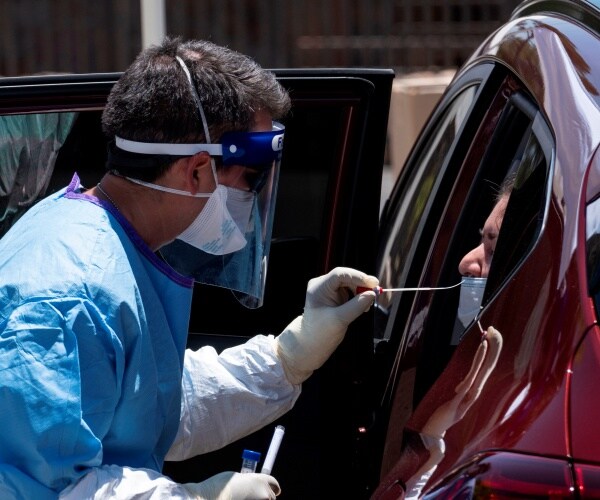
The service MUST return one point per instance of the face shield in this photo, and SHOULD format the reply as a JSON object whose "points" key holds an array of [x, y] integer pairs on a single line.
{"points": [[246, 208], [244, 270]]}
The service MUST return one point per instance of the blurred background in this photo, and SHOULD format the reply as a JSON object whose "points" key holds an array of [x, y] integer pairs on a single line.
{"points": [[83, 36], [423, 41]]}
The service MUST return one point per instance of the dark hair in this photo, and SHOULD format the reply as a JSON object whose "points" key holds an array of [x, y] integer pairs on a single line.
{"points": [[507, 186], [153, 101]]}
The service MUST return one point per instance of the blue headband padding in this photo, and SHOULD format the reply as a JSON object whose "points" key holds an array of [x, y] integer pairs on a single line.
{"points": [[252, 148]]}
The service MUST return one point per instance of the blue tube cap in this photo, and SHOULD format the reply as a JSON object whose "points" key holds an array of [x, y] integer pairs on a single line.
{"points": [[251, 455]]}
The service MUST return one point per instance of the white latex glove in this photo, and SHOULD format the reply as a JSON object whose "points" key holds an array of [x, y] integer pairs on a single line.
{"points": [[123, 483], [235, 486], [309, 340]]}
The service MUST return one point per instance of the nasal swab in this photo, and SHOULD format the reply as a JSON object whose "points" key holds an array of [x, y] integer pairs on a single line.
{"points": [[378, 290], [273, 449]]}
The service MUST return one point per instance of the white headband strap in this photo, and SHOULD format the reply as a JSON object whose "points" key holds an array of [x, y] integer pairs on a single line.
{"points": [[201, 110], [164, 148], [176, 149], [196, 97]]}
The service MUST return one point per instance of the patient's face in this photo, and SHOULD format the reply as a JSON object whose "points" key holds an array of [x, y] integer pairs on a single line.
{"points": [[477, 262]]}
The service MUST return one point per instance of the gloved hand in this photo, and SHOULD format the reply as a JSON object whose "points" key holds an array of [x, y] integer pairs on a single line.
{"points": [[309, 340], [235, 486]]}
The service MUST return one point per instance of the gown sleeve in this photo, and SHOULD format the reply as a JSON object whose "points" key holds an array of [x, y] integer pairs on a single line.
{"points": [[52, 451], [224, 397], [230, 395], [49, 443], [112, 481], [55, 444]]}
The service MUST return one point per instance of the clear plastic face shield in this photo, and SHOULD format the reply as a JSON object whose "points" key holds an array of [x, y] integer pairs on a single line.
{"points": [[236, 257], [244, 270]]}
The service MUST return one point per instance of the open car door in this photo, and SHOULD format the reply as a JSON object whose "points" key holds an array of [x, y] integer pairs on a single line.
{"points": [[326, 216]]}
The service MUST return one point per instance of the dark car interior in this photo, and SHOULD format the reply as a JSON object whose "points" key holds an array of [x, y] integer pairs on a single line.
{"points": [[326, 215]]}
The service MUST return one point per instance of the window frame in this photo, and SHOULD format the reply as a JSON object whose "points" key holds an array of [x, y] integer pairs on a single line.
{"points": [[390, 348], [436, 348], [412, 350]]}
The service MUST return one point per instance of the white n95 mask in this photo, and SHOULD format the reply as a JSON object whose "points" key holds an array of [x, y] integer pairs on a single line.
{"points": [[471, 293], [220, 226]]}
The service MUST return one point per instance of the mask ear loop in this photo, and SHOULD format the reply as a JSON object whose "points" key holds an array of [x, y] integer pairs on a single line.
{"points": [[201, 110], [481, 330]]}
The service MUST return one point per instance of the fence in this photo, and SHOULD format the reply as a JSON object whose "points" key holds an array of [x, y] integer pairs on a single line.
{"points": [[102, 36]]}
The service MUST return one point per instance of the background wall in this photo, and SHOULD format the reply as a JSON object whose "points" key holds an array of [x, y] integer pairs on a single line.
{"points": [[424, 41], [105, 35]]}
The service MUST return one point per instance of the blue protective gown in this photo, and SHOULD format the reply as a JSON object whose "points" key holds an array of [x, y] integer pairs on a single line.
{"points": [[93, 329]]}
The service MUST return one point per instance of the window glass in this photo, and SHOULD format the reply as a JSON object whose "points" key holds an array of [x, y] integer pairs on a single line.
{"points": [[524, 215], [29, 146], [308, 162], [593, 251], [40, 152], [512, 142], [409, 215], [520, 151]]}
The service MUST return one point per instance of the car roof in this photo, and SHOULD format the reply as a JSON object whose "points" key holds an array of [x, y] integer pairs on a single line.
{"points": [[586, 11], [552, 47]]}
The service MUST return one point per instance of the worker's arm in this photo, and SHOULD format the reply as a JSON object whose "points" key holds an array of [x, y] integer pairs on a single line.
{"points": [[231, 395], [228, 396]]}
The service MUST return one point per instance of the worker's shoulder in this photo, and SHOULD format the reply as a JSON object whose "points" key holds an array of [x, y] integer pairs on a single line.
{"points": [[63, 221], [59, 235], [57, 251]]}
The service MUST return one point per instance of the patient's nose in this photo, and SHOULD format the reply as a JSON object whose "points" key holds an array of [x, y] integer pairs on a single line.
{"points": [[473, 263]]}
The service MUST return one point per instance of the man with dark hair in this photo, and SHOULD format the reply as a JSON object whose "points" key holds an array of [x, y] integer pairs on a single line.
{"points": [[97, 386]]}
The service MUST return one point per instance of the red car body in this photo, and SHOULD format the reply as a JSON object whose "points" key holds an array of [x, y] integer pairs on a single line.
{"points": [[530, 429], [515, 414]]}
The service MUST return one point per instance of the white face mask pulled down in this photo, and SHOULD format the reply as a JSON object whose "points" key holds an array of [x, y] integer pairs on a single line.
{"points": [[471, 294], [220, 226]]}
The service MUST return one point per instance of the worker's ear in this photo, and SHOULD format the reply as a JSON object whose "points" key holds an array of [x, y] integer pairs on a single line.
{"points": [[199, 177]]}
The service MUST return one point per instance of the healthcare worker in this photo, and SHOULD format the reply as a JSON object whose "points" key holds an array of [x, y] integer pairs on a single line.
{"points": [[97, 388]]}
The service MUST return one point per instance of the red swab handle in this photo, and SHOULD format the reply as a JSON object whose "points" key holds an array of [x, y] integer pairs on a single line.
{"points": [[376, 289]]}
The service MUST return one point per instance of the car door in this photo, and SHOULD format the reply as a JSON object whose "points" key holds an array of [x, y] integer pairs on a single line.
{"points": [[326, 216], [486, 127], [409, 224]]}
